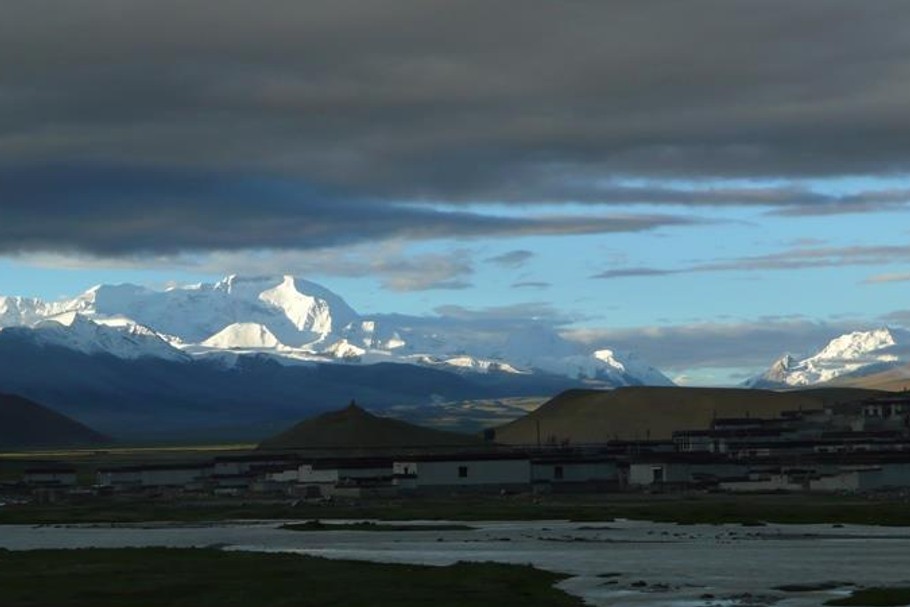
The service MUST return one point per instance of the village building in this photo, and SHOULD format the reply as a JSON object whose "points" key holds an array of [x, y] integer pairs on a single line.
{"points": [[160, 475], [680, 471], [868, 477], [575, 473], [349, 477], [482, 472], [50, 477]]}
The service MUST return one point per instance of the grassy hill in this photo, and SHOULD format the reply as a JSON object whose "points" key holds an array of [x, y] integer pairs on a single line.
{"points": [[354, 429], [592, 416], [25, 424]]}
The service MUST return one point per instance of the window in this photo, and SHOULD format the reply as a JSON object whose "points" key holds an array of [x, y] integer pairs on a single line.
{"points": [[462, 472], [657, 473], [557, 472]]}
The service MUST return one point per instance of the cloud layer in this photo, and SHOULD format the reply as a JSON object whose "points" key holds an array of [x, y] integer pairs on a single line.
{"points": [[194, 125]]}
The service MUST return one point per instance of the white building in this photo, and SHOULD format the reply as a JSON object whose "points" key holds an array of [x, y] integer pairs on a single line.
{"points": [[673, 471], [170, 475], [344, 470], [50, 477], [865, 478], [469, 472], [580, 473]]}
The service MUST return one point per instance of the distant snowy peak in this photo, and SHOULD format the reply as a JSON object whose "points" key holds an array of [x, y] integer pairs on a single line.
{"points": [[296, 312], [852, 354], [243, 335], [476, 365], [857, 345], [305, 312], [632, 368], [121, 339]]}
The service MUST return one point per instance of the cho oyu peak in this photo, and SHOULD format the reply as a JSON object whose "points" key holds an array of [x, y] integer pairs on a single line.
{"points": [[852, 354]]}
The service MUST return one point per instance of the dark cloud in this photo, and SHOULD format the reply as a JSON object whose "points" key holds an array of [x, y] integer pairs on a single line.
{"points": [[792, 259], [118, 211], [531, 284], [374, 104], [512, 259], [632, 272]]}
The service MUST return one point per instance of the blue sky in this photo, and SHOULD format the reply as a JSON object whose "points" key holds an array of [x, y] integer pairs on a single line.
{"points": [[710, 186]]}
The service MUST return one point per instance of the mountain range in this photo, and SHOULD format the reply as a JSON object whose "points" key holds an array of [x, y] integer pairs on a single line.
{"points": [[297, 322], [244, 355]]}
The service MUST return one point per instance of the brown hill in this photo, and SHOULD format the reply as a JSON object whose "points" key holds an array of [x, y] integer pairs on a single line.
{"points": [[596, 416], [892, 380], [353, 429], [24, 423]]}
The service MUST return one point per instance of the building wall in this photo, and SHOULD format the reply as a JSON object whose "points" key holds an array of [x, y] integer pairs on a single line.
{"points": [[284, 476], [171, 477], [61, 479], [113, 478], [572, 472], [774, 482], [894, 475], [308, 474], [651, 473], [844, 481], [459, 473]]}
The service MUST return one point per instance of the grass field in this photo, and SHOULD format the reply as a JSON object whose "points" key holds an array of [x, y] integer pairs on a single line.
{"points": [[163, 577], [679, 508], [876, 597]]}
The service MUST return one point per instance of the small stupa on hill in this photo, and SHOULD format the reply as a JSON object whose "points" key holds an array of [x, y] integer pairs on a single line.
{"points": [[356, 429]]}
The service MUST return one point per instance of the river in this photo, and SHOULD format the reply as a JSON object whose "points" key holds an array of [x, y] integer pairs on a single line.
{"points": [[622, 563]]}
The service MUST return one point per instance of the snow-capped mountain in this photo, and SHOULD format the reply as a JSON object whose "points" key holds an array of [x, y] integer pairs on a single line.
{"points": [[850, 355], [117, 337], [299, 322]]}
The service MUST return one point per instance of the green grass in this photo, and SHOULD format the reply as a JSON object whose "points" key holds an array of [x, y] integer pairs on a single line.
{"points": [[876, 597], [679, 508], [316, 525], [162, 577]]}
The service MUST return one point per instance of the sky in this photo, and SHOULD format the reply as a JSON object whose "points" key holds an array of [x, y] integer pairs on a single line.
{"points": [[710, 184]]}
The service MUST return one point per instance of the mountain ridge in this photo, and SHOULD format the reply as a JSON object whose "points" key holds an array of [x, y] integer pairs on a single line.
{"points": [[25, 424], [302, 322]]}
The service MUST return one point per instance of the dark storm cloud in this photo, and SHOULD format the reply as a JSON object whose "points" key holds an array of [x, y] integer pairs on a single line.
{"points": [[376, 103], [116, 211]]}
